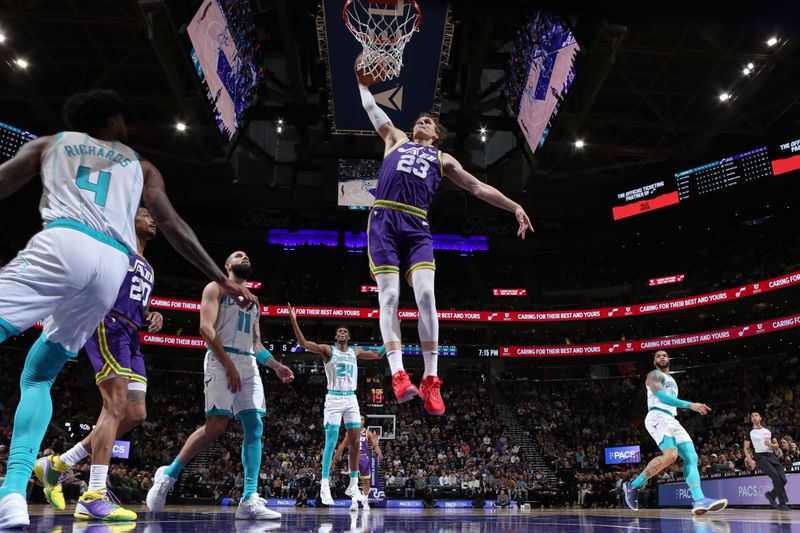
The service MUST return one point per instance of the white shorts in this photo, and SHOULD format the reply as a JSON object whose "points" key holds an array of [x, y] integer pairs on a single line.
{"points": [[660, 425], [220, 401], [342, 407], [65, 276]]}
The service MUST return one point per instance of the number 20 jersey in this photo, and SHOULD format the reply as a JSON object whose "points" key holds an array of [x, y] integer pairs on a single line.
{"points": [[97, 183], [134, 293], [410, 175]]}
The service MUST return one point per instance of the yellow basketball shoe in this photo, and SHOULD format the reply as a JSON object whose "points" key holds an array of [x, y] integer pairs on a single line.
{"points": [[101, 505], [51, 473]]}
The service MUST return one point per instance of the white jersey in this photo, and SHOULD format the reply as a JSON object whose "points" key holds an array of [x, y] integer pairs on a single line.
{"points": [[759, 438], [93, 182], [342, 370], [234, 326], [671, 388]]}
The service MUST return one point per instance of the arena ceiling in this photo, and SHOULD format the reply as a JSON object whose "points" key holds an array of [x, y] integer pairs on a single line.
{"points": [[646, 92]]}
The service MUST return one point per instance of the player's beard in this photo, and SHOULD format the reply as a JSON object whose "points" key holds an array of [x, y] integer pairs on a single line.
{"points": [[662, 368], [242, 271]]}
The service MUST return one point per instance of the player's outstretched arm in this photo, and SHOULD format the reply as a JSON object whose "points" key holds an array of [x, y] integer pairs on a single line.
{"points": [[19, 170], [453, 170], [264, 357], [322, 349], [183, 239], [370, 354], [380, 120], [655, 382]]}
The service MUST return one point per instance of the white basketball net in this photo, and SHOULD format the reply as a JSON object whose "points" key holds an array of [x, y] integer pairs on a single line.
{"points": [[383, 29]]}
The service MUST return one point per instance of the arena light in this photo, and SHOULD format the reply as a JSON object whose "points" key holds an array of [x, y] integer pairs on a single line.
{"points": [[180, 126], [746, 71], [579, 143], [2, 37], [772, 41], [724, 97], [21, 63], [751, 66]]}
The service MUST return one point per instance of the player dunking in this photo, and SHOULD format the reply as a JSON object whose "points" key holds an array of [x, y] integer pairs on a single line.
{"points": [[71, 271], [120, 373], [399, 237], [341, 369], [366, 440], [672, 439], [233, 387]]}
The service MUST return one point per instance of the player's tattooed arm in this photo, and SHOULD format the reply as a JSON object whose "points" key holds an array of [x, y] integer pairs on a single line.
{"points": [[655, 381], [21, 168], [183, 239]]}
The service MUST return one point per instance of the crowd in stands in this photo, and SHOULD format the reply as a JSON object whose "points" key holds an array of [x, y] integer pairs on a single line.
{"points": [[571, 432], [468, 453]]}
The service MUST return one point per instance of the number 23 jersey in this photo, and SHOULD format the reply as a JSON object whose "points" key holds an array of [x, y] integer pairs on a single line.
{"points": [[410, 175]]}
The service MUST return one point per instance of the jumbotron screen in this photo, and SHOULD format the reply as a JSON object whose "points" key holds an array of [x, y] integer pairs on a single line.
{"points": [[223, 55], [358, 181], [725, 173], [540, 73]]}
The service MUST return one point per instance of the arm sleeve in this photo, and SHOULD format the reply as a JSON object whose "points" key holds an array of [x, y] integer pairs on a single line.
{"points": [[376, 115], [673, 402]]}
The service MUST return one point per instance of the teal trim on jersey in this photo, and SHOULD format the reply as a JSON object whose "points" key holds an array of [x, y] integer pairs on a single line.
{"points": [[260, 412], [234, 351], [331, 426], [93, 233], [381, 351], [352, 425], [667, 443], [341, 392], [263, 356], [671, 400], [662, 410], [219, 412], [6, 325]]}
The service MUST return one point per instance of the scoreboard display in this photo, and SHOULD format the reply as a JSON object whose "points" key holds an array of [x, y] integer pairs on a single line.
{"points": [[376, 394], [753, 165], [11, 140]]}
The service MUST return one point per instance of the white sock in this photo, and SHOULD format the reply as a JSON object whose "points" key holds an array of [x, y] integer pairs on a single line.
{"points": [[74, 455], [431, 363], [395, 358], [97, 478]]}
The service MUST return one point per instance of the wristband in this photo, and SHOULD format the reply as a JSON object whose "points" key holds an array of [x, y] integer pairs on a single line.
{"points": [[263, 356]]}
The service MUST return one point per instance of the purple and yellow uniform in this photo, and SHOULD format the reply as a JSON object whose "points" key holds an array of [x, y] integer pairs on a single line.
{"points": [[398, 231], [114, 347], [364, 456]]}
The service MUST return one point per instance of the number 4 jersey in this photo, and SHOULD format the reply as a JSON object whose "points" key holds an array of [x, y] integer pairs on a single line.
{"points": [[97, 183]]}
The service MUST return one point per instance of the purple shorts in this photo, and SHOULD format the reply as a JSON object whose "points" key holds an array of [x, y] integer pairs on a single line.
{"points": [[114, 351], [398, 241], [364, 466]]}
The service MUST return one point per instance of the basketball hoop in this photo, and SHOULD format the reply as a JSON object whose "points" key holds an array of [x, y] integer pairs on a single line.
{"points": [[383, 27]]}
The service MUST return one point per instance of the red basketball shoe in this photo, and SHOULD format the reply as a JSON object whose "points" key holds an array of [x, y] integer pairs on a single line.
{"points": [[429, 391], [404, 390]]}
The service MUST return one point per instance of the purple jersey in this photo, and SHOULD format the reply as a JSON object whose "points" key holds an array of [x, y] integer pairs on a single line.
{"points": [[410, 175], [364, 448], [134, 293]]}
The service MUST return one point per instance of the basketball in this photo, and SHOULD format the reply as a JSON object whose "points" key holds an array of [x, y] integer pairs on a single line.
{"points": [[371, 78]]}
